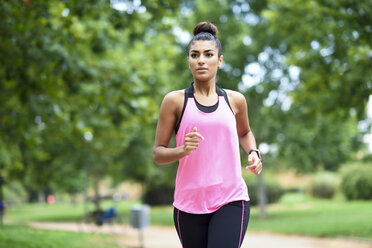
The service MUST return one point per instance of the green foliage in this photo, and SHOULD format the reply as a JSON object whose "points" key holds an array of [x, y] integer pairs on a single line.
{"points": [[26, 237], [159, 189], [158, 194], [321, 50], [272, 188], [81, 82], [356, 181], [324, 185], [367, 158], [14, 194], [329, 41], [292, 103]]}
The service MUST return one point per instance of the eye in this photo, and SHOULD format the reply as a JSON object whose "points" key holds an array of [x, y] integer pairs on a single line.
{"points": [[193, 55], [209, 54]]}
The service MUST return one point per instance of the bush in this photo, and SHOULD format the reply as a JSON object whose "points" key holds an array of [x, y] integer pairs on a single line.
{"points": [[159, 194], [273, 189], [356, 181], [14, 193], [324, 185], [159, 186]]}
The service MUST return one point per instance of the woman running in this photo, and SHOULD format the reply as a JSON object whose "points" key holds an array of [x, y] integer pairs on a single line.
{"points": [[211, 202]]}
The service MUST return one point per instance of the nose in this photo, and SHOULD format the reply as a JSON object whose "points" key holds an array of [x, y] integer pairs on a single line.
{"points": [[201, 59]]}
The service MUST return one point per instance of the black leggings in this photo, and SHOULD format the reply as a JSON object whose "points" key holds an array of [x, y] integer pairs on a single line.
{"points": [[224, 228]]}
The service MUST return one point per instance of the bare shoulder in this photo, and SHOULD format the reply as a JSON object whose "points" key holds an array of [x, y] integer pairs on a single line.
{"points": [[237, 100], [174, 97], [235, 95], [173, 100]]}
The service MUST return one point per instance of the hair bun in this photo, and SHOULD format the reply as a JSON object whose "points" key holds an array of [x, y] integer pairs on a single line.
{"points": [[206, 27]]}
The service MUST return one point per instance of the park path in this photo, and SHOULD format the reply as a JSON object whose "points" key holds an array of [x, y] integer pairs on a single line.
{"points": [[166, 237]]}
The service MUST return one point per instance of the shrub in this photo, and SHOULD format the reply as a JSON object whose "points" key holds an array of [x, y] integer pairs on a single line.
{"points": [[356, 181], [159, 186], [159, 194], [14, 193], [324, 185], [273, 190]]}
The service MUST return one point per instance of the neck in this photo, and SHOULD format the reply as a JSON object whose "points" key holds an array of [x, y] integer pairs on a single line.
{"points": [[205, 88]]}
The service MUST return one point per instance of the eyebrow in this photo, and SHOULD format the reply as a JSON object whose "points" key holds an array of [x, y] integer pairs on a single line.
{"points": [[196, 51]]}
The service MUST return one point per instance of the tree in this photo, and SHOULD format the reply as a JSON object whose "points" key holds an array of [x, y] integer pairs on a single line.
{"points": [[81, 82], [327, 42], [79, 87], [269, 55]]}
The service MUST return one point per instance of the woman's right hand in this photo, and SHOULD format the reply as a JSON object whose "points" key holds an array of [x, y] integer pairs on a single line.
{"points": [[192, 141]]}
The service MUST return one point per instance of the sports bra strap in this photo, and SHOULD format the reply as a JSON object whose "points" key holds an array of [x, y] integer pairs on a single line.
{"points": [[222, 92], [189, 93]]}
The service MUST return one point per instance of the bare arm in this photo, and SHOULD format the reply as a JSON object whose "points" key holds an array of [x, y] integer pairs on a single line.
{"points": [[246, 137], [169, 112]]}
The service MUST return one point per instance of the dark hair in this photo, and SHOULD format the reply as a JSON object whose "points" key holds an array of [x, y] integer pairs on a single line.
{"points": [[206, 31]]}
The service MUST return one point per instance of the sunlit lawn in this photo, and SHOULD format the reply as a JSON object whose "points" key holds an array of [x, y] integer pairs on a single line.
{"points": [[15, 236], [294, 214], [63, 212], [298, 215]]}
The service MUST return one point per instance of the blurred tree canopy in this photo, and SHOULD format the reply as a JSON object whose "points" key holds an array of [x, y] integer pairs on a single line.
{"points": [[328, 42], [80, 84], [304, 69], [81, 81]]}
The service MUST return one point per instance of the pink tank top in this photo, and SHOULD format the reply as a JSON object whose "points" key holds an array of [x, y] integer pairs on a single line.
{"points": [[210, 176]]}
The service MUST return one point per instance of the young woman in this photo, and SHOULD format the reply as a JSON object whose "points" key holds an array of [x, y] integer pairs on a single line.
{"points": [[211, 202]]}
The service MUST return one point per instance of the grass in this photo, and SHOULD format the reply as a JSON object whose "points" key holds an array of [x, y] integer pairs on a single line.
{"points": [[298, 214], [294, 214], [43, 212], [17, 236], [61, 212], [162, 215]]}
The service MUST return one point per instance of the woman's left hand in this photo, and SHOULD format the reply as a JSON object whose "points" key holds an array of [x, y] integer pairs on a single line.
{"points": [[256, 163]]}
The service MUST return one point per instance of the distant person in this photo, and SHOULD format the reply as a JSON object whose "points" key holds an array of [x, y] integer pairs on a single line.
{"points": [[2, 208], [51, 200], [211, 202]]}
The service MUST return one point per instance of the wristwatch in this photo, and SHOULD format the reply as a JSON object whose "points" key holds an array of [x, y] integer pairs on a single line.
{"points": [[257, 151]]}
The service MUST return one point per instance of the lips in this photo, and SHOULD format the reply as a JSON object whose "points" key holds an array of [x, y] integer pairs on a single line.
{"points": [[202, 69]]}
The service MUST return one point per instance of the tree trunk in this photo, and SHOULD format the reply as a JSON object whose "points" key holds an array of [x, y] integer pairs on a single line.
{"points": [[2, 202], [41, 197], [262, 196], [86, 185], [97, 198]]}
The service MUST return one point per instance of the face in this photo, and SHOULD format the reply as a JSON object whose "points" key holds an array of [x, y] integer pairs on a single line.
{"points": [[203, 60]]}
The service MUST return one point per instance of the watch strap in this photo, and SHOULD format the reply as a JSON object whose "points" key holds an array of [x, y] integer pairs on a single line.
{"points": [[256, 151]]}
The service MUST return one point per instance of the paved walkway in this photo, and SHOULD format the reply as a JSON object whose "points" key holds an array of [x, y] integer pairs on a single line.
{"points": [[166, 237]]}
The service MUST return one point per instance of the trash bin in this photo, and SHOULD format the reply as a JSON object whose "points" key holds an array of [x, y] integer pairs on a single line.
{"points": [[140, 216], [140, 219]]}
